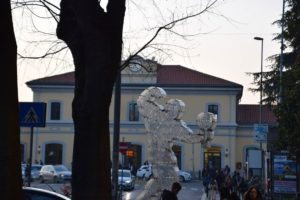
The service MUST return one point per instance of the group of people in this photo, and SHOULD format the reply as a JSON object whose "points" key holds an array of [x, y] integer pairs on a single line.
{"points": [[228, 187]]}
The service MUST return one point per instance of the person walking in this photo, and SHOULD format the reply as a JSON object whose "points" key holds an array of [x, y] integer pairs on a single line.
{"points": [[171, 195], [253, 194], [212, 190]]}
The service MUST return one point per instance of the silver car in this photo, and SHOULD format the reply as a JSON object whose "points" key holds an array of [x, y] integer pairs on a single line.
{"points": [[55, 173], [126, 180], [35, 172]]}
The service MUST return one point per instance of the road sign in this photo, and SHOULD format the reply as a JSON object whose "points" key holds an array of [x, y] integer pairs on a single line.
{"points": [[32, 114], [123, 147], [261, 132]]}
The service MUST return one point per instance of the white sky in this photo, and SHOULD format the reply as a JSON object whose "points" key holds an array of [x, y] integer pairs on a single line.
{"points": [[228, 50]]}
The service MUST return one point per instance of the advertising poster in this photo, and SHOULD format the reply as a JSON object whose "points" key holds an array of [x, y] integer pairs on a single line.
{"points": [[284, 174]]}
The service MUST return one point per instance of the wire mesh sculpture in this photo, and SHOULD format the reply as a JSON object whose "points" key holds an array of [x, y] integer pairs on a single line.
{"points": [[164, 128]]}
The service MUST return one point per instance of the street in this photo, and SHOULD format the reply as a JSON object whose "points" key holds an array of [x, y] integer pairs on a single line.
{"points": [[190, 190]]}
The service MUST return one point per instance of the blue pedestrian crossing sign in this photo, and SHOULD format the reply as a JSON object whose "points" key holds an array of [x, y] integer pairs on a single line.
{"points": [[261, 132], [32, 114]]}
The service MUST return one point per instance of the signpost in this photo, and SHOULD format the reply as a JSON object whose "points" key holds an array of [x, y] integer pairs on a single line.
{"points": [[31, 114], [123, 147], [261, 136], [261, 132]]}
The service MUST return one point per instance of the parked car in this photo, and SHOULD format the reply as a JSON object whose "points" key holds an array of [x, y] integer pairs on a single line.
{"points": [[55, 173], [35, 172], [142, 171], [126, 180], [183, 175], [30, 193]]}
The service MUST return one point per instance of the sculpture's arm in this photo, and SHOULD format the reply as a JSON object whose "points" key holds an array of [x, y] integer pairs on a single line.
{"points": [[185, 134]]}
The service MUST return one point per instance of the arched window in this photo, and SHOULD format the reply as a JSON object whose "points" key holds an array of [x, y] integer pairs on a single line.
{"points": [[213, 108], [55, 111], [53, 153], [133, 112]]}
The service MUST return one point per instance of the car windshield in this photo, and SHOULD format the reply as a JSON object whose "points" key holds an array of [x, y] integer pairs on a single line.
{"points": [[125, 174], [60, 168]]}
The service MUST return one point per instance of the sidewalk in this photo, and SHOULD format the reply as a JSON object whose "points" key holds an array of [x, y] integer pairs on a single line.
{"points": [[204, 196]]}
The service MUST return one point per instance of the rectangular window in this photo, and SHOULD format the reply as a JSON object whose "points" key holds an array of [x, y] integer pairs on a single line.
{"points": [[55, 111], [133, 112], [213, 109]]}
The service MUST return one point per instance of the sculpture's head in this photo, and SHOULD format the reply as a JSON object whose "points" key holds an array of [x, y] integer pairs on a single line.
{"points": [[175, 108], [207, 121], [153, 93]]}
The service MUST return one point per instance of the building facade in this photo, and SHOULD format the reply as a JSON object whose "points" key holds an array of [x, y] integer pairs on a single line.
{"points": [[234, 138]]}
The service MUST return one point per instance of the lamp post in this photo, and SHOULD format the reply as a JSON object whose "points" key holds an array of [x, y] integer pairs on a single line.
{"points": [[261, 74], [260, 103]]}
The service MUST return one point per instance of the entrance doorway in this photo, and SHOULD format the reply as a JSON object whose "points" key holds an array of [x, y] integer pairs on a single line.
{"points": [[53, 154], [212, 158], [177, 151]]}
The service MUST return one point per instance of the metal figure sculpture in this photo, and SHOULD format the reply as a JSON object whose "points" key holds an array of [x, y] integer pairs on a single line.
{"points": [[165, 127]]}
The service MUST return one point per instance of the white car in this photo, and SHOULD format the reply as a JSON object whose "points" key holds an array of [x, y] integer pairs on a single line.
{"points": [[142, 171], [148, 173], [183, 175]]}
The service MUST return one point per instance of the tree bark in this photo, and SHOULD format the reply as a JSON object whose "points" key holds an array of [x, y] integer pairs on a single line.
{"points": [[10, 167], [95, 40]]}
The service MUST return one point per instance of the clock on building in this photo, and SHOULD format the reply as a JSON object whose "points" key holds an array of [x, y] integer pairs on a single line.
{"points": [[135, 67]]}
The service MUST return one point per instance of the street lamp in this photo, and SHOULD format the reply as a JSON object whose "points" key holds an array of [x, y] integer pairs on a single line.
{"points": [[261, 74], [260, 103]]}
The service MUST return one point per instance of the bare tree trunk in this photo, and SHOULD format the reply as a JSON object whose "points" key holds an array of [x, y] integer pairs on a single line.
{"points": [[95, 40], [10, 167]]}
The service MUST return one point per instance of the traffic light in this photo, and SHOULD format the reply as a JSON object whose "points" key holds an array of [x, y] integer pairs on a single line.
{"points": [[130, 153]]}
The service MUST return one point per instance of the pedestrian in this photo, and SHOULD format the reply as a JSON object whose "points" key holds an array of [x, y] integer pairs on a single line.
{"points": [[224, 192], [234, 196], [212, 190], [206, 180], [242, 187], [253, 194], [171, 195], [66, 189]]}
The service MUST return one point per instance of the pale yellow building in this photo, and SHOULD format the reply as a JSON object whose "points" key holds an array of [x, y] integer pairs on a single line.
{"points": [[234, 136]]}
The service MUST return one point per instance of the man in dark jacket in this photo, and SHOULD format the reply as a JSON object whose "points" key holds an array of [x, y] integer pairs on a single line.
{"points": [[171, 195]]}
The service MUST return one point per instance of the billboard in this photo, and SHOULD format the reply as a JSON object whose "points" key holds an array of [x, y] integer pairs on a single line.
{"points": [[284, 174]]}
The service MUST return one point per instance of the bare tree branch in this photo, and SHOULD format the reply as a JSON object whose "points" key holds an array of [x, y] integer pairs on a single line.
{"points": [[167, 27], [47, 54]]}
